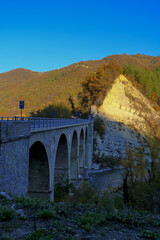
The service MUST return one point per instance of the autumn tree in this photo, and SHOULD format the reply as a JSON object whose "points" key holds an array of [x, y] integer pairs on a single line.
{"points": [[134, 165], [96, 85], [94, 89]]}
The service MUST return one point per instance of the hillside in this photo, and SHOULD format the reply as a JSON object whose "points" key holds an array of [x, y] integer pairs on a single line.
{"points": [[40, 89]]}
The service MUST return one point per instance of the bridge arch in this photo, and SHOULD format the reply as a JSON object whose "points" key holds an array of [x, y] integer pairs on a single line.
{"points": [[42, 141], [86, 147], [81, 153], [74, 158], [39, 174], [61, 161]]}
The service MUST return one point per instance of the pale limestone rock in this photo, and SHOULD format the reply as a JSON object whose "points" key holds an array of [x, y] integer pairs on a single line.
{"points": [[125, 104], [130, 118]]}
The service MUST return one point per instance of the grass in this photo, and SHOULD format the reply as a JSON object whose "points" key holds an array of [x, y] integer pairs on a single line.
{"points": [[150, 235], [40, 234], [89, 220], [30, 202], [7, 214], [46, 214]]}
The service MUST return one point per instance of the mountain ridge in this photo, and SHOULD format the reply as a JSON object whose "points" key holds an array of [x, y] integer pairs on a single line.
{"points": [[107, 58]]}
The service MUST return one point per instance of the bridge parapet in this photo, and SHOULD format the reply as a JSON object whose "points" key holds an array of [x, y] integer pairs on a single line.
{"points": [[12, 130], [55, 122], [46, 122]]}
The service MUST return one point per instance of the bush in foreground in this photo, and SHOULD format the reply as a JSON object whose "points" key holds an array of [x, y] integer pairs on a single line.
{"points": [[7, 214]]}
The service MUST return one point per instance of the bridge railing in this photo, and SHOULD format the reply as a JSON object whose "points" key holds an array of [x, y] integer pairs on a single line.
{"points": [[55, 122], [14, 118], [47, 122]]}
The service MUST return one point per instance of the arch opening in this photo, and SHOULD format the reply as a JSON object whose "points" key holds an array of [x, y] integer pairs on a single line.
{"points": [[81, 154], [74, 158], [86, 147], [61, 176], [38, 176]]}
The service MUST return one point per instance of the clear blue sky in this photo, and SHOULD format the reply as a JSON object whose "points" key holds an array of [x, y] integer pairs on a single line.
{"points": [[42, 35]]}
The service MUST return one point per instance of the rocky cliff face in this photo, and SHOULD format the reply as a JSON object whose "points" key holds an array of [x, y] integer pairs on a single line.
{"points": [[130, 119], [117, 139]]}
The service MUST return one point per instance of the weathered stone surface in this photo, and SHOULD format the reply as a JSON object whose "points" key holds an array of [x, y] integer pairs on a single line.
{"points": [[117, 139], [130, 119], [125, 104], [14, 155]]}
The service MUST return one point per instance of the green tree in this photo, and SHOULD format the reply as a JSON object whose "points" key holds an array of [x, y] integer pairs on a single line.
{"points": [[148, 81]]}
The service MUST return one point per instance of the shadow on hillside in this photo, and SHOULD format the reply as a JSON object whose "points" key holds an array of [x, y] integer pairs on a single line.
{"points": [[53, 110], [116, 141]]}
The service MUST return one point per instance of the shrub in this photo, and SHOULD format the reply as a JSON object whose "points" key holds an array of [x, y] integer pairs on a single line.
{"points": [[88, 220], [146, 196], [100, 126], [61, 191], [150, 235], [30, 202], [46, 214], [7, 214], [60, 110], [5, 238], [85, 194], [40, 234], [106, 201], [118, 202]]}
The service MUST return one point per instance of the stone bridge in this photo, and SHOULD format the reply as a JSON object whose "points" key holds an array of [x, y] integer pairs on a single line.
{"points": [[36, 154]]}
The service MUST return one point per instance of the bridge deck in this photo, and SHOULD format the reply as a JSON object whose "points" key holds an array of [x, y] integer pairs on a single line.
{"points": [[47, 122]]}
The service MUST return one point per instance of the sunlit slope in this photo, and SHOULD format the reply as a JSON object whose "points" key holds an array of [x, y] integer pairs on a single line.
{"points": [[125, 104]]}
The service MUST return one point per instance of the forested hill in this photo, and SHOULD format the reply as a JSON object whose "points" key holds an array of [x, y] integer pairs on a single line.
{"points": [[41, 89], [16, 75]]}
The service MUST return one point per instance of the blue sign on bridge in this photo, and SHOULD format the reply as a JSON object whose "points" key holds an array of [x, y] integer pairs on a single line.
{"points": [[21, 104]]}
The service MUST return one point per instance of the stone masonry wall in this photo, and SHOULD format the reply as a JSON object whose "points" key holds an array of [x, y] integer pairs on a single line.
{"points": [[14, 157]]}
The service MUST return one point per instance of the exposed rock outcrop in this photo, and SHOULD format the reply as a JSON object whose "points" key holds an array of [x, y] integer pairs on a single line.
{"points": [[124, 103], [130, 119], [117, 139]]}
